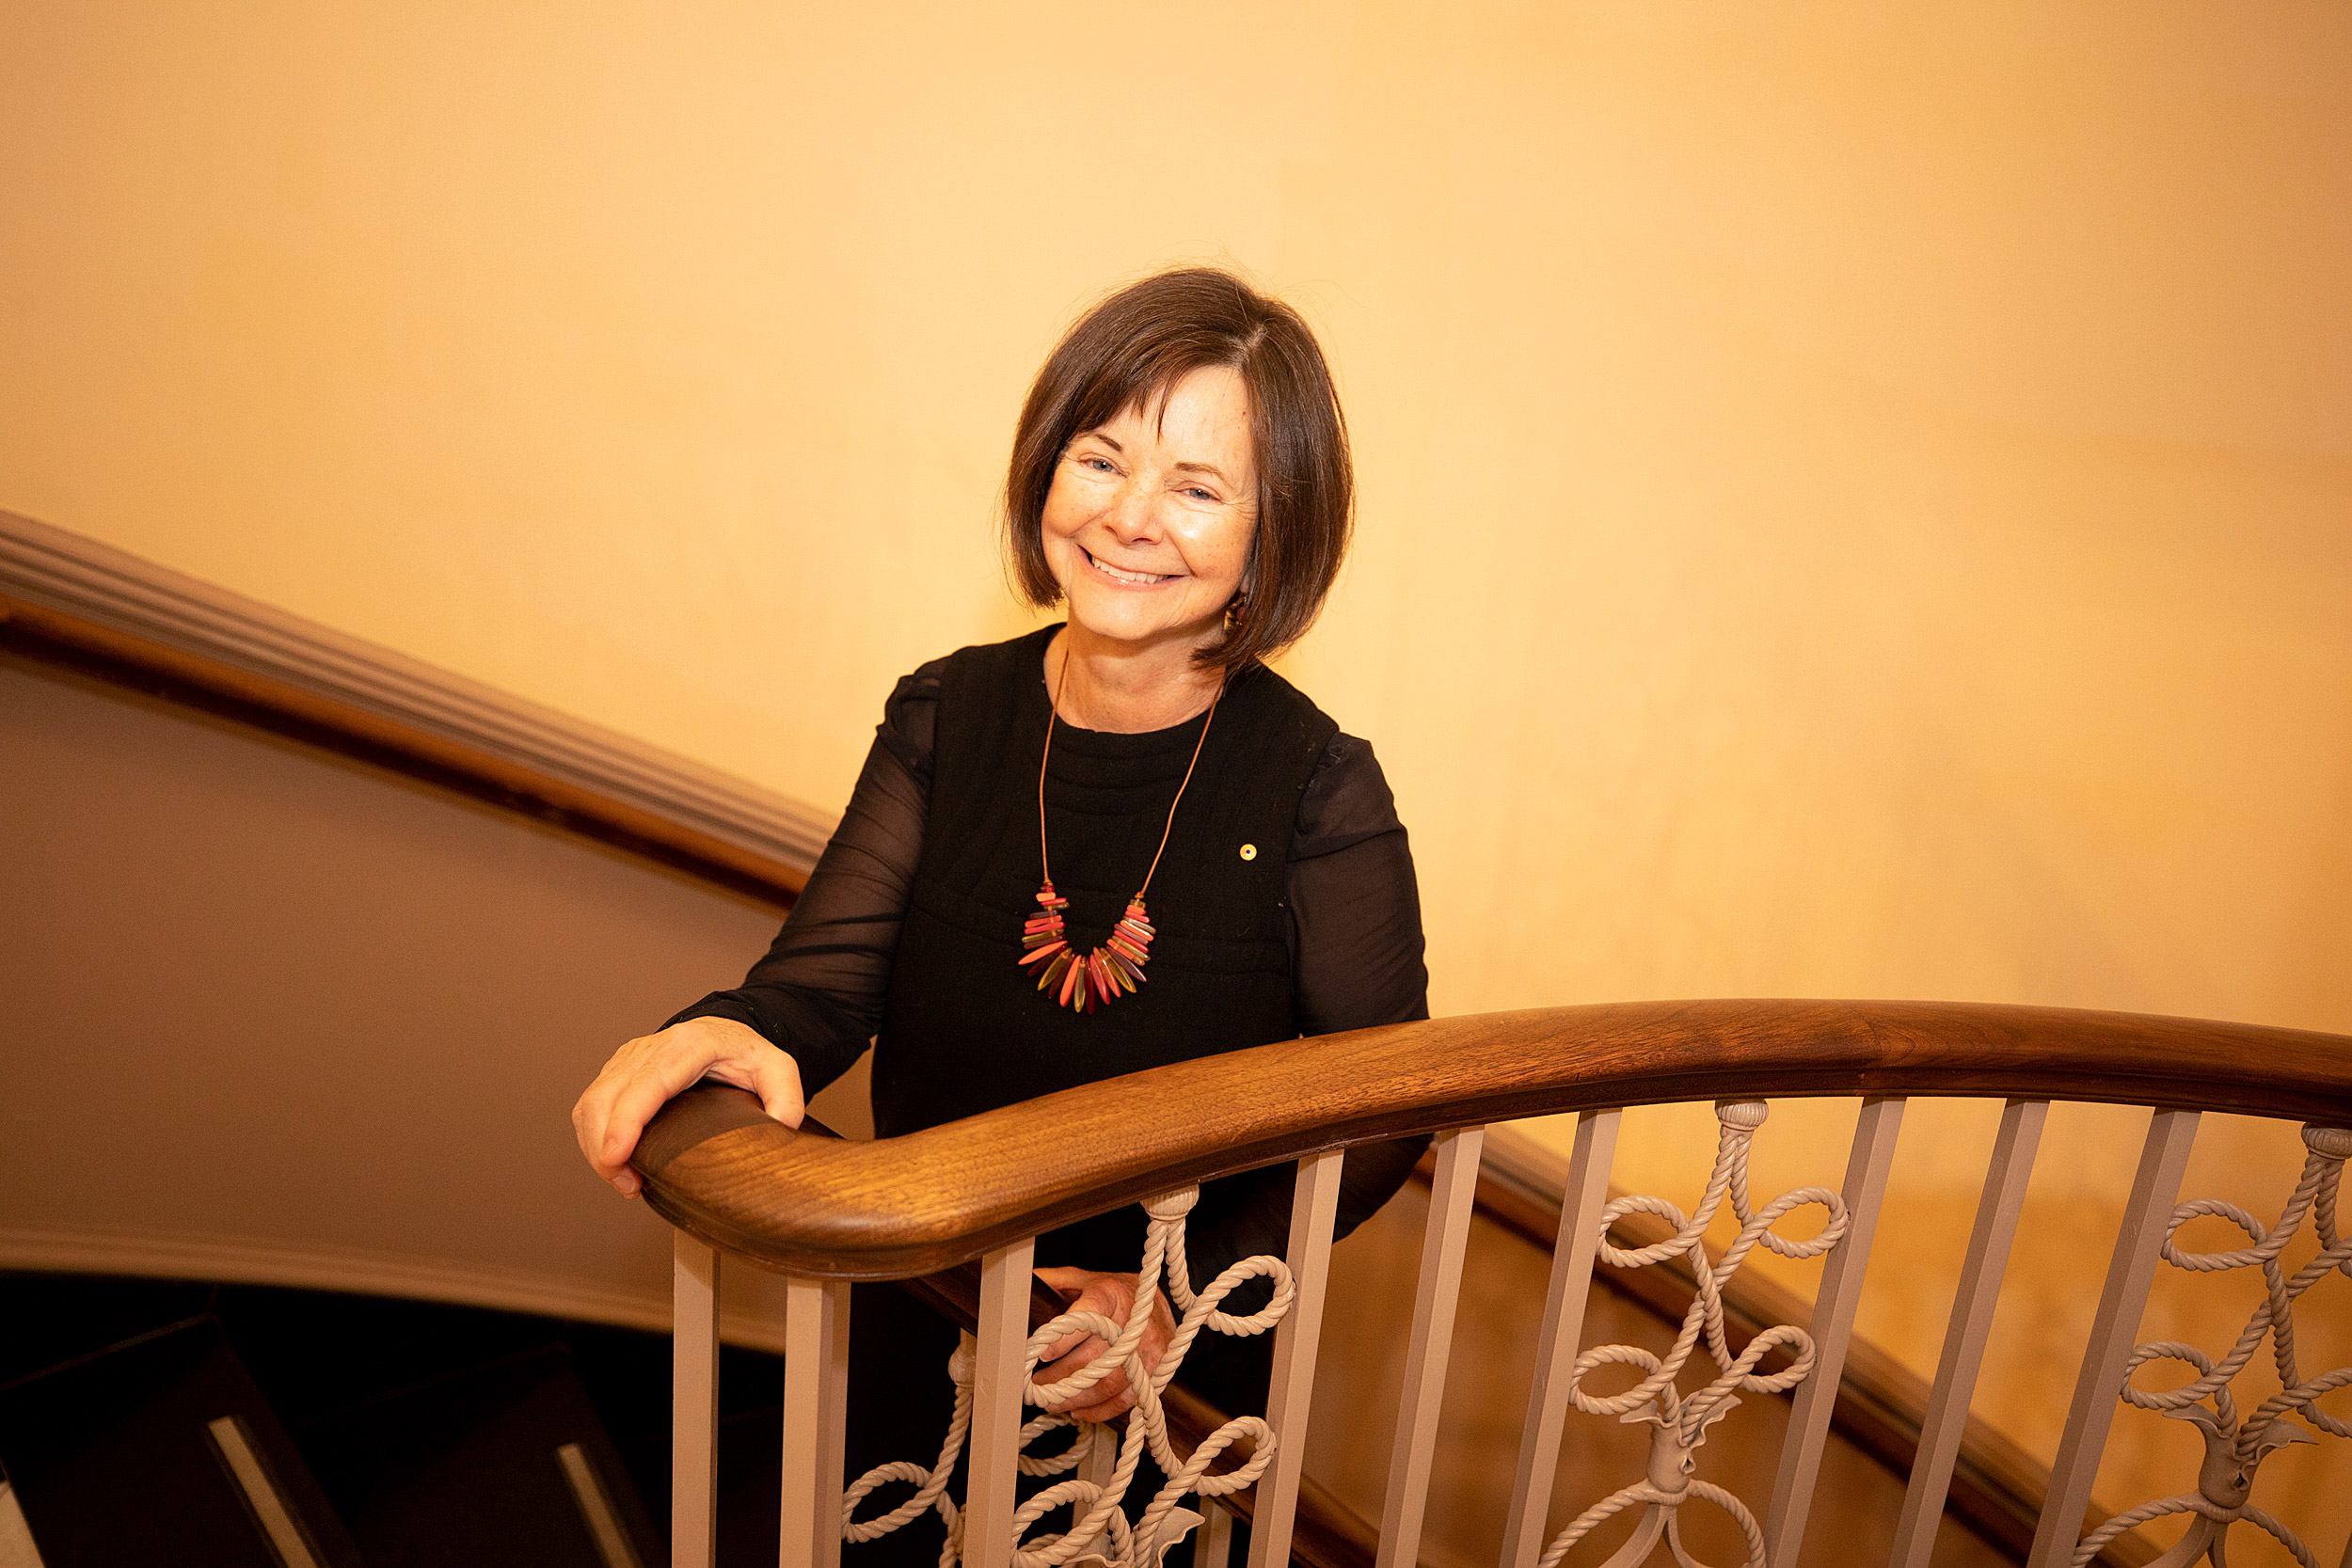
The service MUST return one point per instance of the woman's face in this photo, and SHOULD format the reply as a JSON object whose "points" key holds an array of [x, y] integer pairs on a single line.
{"points": [[1148, 524]]}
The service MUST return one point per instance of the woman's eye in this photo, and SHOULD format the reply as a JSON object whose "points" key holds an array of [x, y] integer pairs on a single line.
{"points": [[1100, 465]]}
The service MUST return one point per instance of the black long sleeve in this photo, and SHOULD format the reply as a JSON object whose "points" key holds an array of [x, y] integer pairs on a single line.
{"points": [[817, 994], [1355, 958], [1357, 949]]}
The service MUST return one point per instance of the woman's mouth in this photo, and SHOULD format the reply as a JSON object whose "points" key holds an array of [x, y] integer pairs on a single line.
{"points": [[1131, 579]]}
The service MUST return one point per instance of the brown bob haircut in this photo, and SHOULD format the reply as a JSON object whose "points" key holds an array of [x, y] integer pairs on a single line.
{"points": [[1127, 352]]}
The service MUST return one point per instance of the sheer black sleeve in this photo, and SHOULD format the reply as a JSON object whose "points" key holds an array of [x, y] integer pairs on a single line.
{"points": [[1356, 960], [1355, 930], [817, 995]]}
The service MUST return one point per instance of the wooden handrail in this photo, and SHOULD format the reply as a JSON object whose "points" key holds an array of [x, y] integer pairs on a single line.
{"points": [[717, 1167], [73, 602]]}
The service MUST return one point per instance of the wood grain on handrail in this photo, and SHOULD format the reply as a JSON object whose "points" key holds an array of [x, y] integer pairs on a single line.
{"points": [[718, 1168]]}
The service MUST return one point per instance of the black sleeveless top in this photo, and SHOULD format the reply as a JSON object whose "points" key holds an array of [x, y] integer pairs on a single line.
{"points": [[965, 1028]]}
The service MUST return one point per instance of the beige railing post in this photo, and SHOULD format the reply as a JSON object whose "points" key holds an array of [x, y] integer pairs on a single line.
{"points": [[2163, 1161], [1946, 1419], [829, 1198], [694, 1402], [833, 1423], [998, 1376], [1865, 1189], [1213, 1542], [1313, 1208], [816, 1406], [1580, 1202], [1444, 1237]]}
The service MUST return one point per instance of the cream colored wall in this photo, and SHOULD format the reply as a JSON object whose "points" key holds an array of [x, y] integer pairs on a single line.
{"points": [[1855, 499]]}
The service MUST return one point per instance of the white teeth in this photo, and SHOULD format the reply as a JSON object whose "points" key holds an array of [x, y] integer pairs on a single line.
{"points": [[1137, 577]]}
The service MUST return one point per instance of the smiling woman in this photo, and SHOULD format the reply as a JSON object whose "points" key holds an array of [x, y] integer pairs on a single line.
{"points": [[1234, 417], [1180, 480], [1149, 523]]}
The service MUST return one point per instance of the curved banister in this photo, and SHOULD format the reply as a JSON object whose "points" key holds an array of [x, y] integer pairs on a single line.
{"points": [[72, 601], [718, 1169]]}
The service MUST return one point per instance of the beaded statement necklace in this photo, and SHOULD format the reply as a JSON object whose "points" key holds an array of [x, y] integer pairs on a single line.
{"points": [[1115, 968]]}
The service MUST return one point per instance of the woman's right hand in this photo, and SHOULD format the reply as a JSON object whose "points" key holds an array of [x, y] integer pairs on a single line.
{"points": [[644, 1074]]}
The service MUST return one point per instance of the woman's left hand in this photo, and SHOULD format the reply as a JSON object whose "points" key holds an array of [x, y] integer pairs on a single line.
{"points": [[1114, 1296]]}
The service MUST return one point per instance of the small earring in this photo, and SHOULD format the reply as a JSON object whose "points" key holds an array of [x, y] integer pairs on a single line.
{"points": [[1236, 611]]}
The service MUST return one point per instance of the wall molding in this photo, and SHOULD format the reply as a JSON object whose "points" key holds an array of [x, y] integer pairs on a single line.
{"points": [[72, 599]]}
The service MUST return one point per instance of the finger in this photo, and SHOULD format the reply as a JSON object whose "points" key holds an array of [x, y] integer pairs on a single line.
{"points": [[1067, 1362], [632, 1105], [1156, 1339], [748, 1062], [1065, 1282], [1107, 1409], [624, 1180], [1110, 1396], [651, 1080], [1106, 1391], [592, 1116], [776, 1079], [1077, 1287]]}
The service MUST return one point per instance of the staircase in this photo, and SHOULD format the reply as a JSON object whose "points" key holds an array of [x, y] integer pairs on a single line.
{"points": [[145, 1422], [407, 852]]}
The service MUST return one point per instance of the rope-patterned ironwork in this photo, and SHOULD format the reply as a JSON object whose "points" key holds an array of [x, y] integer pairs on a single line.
{"points": [[1101, 1533], [2234, 1449], [1678, 1421]]}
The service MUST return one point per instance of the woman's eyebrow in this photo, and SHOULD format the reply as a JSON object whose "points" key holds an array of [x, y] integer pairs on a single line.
{"points": [[1203, 468]]}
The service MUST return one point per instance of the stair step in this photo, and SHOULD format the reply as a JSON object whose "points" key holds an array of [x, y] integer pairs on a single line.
{"points": [[494, 1465], [160, 1449]]}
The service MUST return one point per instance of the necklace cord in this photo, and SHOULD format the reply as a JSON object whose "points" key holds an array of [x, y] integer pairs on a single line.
{"points": [[1054, 712], [1180, 791]]}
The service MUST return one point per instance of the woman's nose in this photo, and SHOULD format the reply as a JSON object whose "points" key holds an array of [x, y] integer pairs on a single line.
{"points": [[1134, 515]]}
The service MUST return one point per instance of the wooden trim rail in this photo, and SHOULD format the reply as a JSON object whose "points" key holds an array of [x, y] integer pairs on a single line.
{"points": [[716, 1166], [72, 601]]}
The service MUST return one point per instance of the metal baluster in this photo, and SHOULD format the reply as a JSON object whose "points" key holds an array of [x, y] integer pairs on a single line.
{"points": [[1291, 1392], [1979, 1290], [816, 1375], [996, 1407], [1444, 1237], [1833, 1327], [2162, 1160], [1580, 1202], [694, 1402]]}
